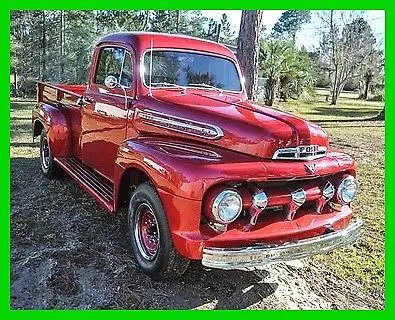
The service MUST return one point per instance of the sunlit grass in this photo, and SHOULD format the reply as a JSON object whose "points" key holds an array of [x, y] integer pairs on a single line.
{"points": [[364, 140], [348, 107]]}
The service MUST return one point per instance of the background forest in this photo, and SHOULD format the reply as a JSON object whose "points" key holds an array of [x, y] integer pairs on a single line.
{"points": [[56, 46]]}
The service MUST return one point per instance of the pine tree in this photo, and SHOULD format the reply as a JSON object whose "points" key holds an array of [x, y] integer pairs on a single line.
{"points": [[227, 35]]}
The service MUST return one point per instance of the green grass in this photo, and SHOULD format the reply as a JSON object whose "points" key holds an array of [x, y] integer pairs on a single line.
{"points": [[348, 107], [364, 140]]}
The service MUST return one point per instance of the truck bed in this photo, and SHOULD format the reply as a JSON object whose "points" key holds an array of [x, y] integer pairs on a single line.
{"points": [[54, 92]]}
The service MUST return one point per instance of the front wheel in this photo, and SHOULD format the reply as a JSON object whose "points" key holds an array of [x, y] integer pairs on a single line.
{"points": [[150, 237]]}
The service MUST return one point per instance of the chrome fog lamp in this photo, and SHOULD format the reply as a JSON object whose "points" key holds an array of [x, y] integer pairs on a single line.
{"points": [[227, 206], [260, 200], [347, 190]]}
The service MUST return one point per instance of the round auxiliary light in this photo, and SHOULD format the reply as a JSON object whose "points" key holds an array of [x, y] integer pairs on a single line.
{"points": [[260, 200], [227, 206], [347, 190]]}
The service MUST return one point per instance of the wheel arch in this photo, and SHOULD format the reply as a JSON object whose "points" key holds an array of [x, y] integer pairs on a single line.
{"points": [[55, 121], [129, 179], [38, 127]]}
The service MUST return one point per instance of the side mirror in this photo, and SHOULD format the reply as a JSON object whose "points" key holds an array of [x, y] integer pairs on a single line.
{"points": [[110, 82]]}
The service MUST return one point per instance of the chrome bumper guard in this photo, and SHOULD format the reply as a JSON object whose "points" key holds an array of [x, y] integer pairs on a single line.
{"points": [[233, 258]]}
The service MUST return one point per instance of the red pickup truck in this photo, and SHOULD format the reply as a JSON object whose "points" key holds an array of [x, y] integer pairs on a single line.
{"points": [[165, 129]]}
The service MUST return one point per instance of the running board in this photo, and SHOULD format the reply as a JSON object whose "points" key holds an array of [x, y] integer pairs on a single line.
{"points": [[97, 186]]}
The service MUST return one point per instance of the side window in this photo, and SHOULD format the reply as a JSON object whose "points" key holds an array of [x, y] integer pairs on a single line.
{"points": [[110, 64], [127, 72]]}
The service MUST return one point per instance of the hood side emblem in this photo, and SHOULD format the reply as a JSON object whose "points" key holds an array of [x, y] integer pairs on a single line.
{"points": [[310, 168], [181, 125]]}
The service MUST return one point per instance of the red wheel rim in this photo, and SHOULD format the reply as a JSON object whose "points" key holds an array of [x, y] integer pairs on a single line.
{"points": [[146, 232]]}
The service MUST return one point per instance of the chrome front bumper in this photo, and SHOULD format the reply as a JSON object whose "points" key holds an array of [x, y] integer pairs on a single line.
{"points": [[232, 258]]}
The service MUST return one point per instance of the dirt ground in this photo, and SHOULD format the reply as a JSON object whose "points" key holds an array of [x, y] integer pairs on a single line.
{"points": [[68, 253]]}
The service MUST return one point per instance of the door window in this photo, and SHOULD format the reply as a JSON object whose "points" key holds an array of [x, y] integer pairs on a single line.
{"points": [[115, 62], [127, 72]]}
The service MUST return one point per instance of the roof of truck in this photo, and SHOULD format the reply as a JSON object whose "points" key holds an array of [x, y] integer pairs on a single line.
{"points": [[141, 41]]}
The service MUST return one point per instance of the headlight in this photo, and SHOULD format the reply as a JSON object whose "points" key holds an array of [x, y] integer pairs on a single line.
{"points": [[347, 190], [227, 206]]}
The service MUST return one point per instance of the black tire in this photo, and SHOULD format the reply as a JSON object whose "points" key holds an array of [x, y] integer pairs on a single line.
{"points": [[49, 167], [164, 262]]}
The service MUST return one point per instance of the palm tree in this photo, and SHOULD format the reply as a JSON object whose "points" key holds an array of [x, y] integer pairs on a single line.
{"points": [[287, 70]]}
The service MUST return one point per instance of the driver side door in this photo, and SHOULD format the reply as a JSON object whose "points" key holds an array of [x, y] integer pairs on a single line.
{"points": [[104, 120]]}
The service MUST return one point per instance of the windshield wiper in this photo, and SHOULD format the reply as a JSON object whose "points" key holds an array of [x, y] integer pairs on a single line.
{"points": [[167, 84], [205, 85]]}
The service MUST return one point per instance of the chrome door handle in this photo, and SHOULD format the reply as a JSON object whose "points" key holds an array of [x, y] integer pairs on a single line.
{"points": [[104, 113]]}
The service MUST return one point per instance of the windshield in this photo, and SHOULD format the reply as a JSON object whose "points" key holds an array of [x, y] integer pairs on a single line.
{"points": [[187, 69]]}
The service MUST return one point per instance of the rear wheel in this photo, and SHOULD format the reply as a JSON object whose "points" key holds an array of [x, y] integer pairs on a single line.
{"points": [[150, 237], [48, 165]]}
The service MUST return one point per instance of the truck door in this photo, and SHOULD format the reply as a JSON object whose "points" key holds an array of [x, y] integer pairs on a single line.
{"points": [[104, 119]]}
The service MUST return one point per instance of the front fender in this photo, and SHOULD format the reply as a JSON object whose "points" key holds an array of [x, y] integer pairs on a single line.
{"points": [[166, 172], [56, 125]]}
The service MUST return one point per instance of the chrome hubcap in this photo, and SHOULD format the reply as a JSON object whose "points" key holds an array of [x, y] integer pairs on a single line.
{"points": [[146, 231], [45, 153]]}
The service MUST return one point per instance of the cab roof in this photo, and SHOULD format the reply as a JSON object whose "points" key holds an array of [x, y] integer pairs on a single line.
{"points": [[141, 41]]}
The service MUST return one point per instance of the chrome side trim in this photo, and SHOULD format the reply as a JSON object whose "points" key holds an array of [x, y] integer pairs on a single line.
{"points": [[196, 152], [231, 258], [182, 125], [304, 153]]}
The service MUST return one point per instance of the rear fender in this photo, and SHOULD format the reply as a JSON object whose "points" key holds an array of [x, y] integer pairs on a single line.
{"points": [[55, 123]]}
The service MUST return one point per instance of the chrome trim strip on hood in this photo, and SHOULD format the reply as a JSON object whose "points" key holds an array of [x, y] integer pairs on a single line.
{"points": [[182, 125]]}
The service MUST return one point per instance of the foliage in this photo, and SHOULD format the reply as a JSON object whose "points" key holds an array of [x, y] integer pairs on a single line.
{"points": [[56, 46], [288, 71], [122, 20], [290, 23], [227, 35], [371, 75], [347, 47]]}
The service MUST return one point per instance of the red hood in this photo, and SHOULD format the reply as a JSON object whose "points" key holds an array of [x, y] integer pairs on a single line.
{"points": [[247, 127]]}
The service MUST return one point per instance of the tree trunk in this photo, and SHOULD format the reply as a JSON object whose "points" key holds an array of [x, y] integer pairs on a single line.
{"points": [[365, 92], [248, 49], [269, 91], [43, 46], [178, 21], [217, 37], [62, 44], [15, 81], [334, 81]]}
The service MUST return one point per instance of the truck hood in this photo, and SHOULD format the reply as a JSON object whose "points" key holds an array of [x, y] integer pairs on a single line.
{"points": [[241, 125]]}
